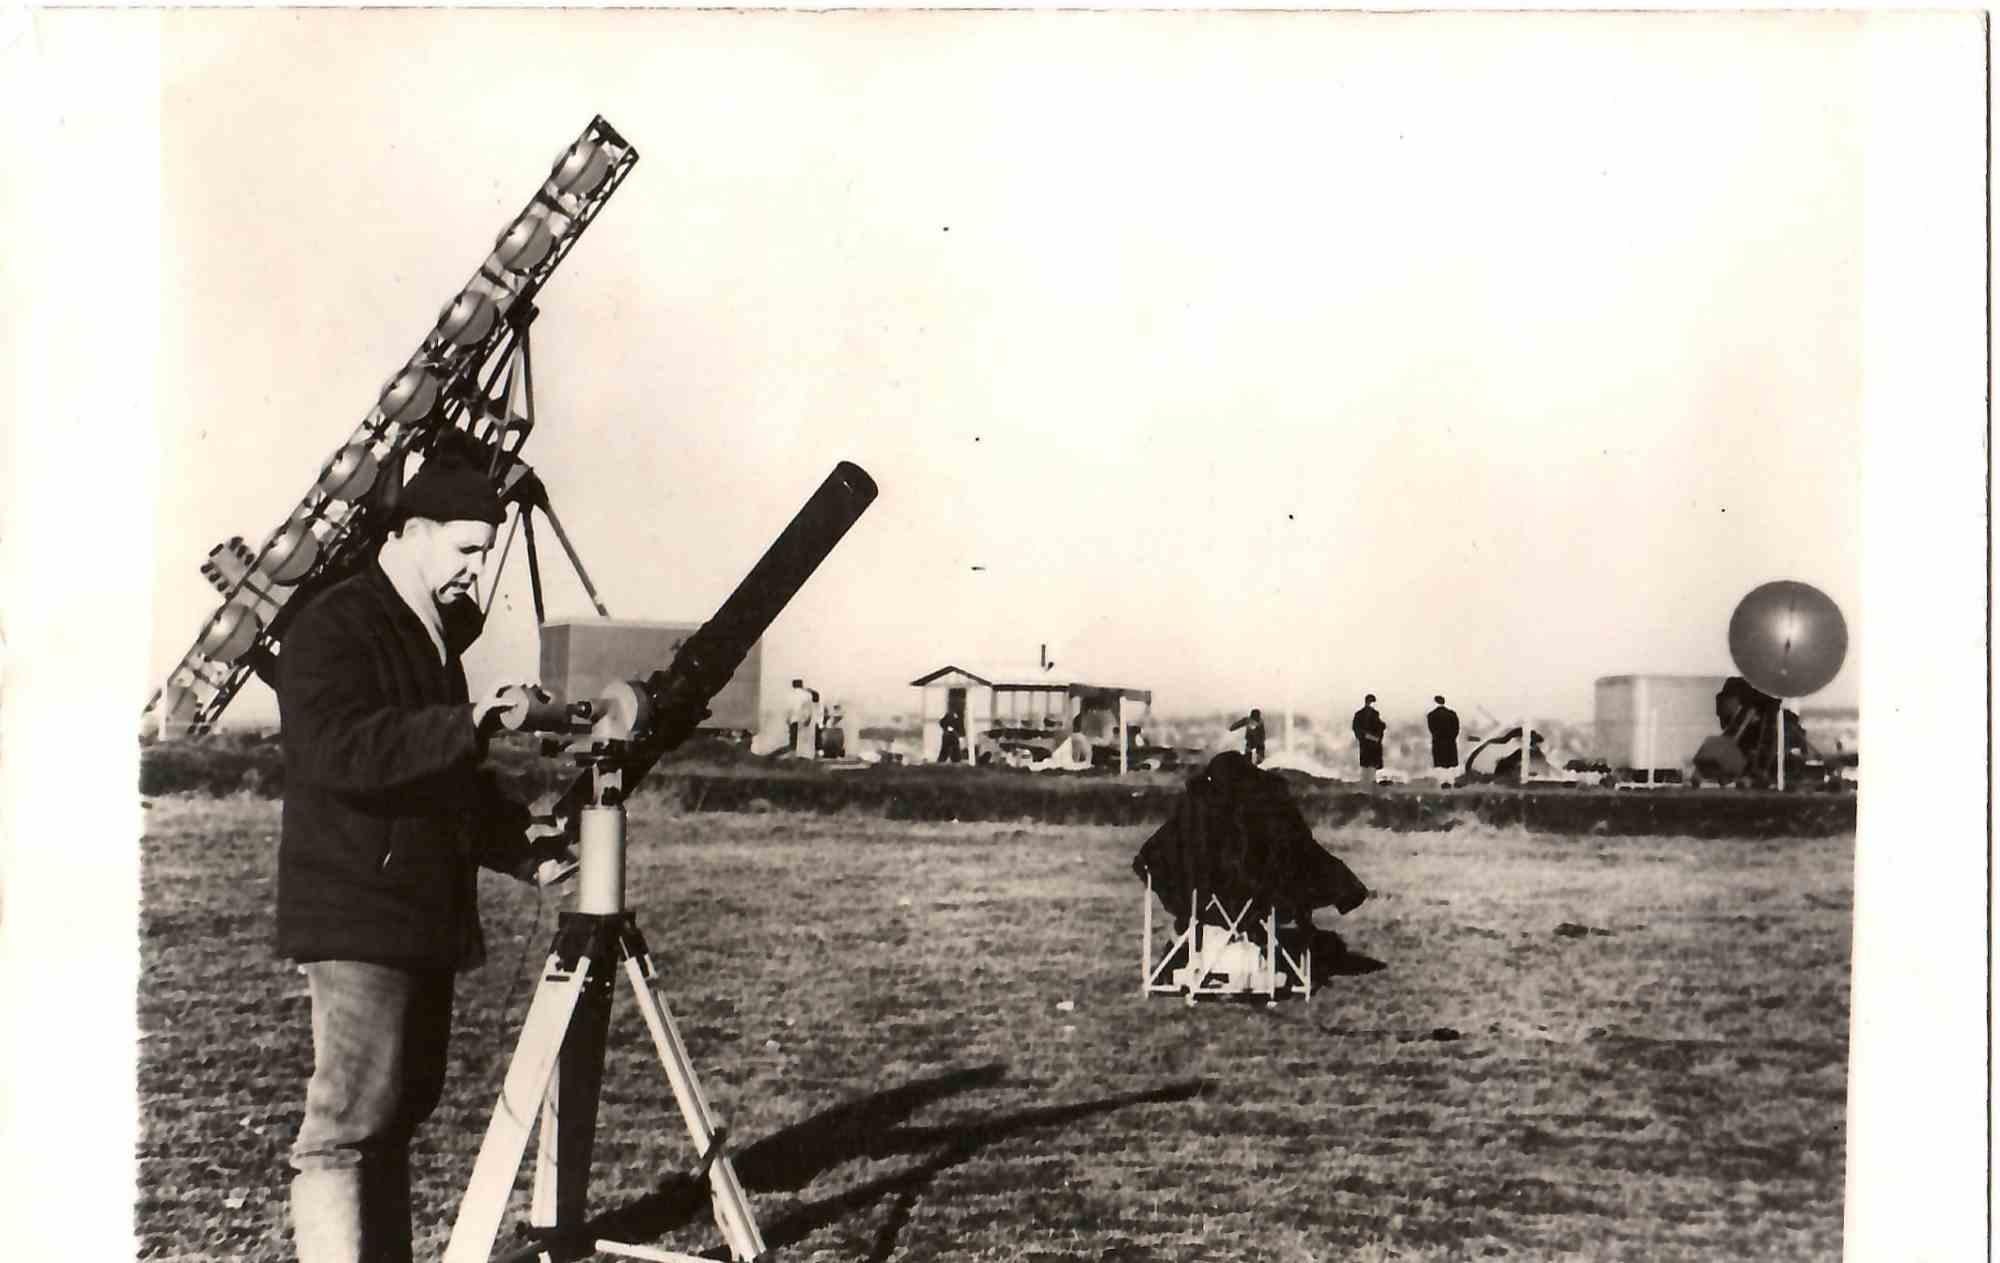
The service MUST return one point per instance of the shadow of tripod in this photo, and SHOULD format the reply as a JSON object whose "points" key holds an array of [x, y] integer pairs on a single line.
{"points": [[873, 1127]]}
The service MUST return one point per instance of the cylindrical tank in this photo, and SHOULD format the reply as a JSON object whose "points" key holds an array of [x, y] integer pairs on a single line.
{"points": [[1654, 721]]}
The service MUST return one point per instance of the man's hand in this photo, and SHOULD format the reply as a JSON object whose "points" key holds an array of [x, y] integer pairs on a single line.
{"points": [[551, 859], [489, 713]]}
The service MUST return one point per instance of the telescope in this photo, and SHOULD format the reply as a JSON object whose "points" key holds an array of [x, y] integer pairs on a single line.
{"points": [[554, 1079], [631, 724]]}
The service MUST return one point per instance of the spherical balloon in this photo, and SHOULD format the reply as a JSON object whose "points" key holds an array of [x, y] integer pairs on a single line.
{"points": [[291, 552], [468, 318], [411, 397], [230, 633], [1788, 638], [523, 247], [581, 169], [350, 474]]}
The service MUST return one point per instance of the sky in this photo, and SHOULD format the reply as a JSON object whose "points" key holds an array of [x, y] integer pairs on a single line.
{"points": [[1256, 359]]}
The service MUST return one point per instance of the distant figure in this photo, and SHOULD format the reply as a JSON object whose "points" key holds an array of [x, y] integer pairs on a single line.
{"points": [[1253, 734], [833, 733], [810, 725], [797, 709], [1444, 735], [951, 728], [1368, 732]]}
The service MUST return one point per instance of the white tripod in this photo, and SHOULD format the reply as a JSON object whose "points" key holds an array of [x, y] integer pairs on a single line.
{"points": [[558, 1068]]}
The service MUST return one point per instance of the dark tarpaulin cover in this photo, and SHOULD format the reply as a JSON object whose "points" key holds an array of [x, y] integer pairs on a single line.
{"points": [[1236, 834]]}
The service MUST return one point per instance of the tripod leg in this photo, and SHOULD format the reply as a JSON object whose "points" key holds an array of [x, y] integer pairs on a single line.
{"points": [[522, 1094], [732, 1207], [579, 1078]]}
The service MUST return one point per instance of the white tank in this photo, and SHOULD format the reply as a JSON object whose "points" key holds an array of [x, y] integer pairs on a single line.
{"points": [[1654, 721]]}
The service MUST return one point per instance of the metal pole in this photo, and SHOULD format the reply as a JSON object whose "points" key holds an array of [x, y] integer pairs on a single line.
{"points": [[562, 537], [1121, 734], [499, 567], [534, 564], [1146, 939], [1781, 743]]}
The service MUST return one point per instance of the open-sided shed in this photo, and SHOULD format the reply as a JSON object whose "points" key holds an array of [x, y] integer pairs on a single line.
{"points": [[1030, 697]]}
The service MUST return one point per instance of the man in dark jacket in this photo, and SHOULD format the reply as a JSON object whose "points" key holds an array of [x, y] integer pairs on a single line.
{"points": [[951, 730], [1444, 735], [1368, 732], [1253, 735], [387, 817]]}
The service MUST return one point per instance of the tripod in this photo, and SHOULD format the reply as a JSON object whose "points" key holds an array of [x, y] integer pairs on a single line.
{"points": [[558, 1068]]}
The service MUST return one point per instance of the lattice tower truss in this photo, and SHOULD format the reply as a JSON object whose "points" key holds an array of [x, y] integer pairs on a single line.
{"points": [[458, 384]]}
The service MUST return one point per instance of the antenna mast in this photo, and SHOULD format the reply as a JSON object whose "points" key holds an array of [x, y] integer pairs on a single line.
{"points": [[459, 386]]}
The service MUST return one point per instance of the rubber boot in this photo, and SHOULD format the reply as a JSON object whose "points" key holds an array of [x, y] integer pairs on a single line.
{"points": [[326, 1215]]}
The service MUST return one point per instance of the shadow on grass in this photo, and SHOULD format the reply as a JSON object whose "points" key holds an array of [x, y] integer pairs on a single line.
{"points": [[1348, 965], [873, 1127], [1333, 958]]}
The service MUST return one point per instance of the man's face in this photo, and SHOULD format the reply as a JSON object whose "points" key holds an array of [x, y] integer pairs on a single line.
{"points": [[449, 556]]}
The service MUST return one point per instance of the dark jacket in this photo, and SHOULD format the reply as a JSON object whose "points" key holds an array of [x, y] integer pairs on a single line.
{"points": [[1237, 835], [387, 812], [1368, 731], [1444, 736]]}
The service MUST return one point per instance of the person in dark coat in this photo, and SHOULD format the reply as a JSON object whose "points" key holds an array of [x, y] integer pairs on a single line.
{"points": [[387, 817], [1236, 835], [1253, 734], [951, 731], [1444, 735], [1368, 733]]}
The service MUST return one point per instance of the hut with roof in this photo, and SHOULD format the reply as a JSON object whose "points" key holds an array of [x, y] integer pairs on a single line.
{"points": [[1022, 704]]}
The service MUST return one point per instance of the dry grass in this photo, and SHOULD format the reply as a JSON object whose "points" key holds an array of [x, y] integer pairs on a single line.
{"points": [[873, 1008]]}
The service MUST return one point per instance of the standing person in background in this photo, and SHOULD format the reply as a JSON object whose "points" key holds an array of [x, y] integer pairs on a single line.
{"points": [[1368, 732], [833, 734], [1253, 734], [796, 706], [951, 727], [809, 728], [1444, 735]]}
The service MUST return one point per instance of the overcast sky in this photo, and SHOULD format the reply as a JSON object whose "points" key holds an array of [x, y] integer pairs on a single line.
{"points": [[1248, 358]]}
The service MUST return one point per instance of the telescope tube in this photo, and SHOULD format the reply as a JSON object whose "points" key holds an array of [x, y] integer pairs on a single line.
{"points": [[680, 693]]}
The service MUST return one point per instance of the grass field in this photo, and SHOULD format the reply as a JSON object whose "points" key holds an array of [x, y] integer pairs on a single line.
{"points": [[1602, 1048]]}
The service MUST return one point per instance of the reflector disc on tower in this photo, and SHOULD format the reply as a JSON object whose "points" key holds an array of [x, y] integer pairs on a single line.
{"points": [[291, 552], [1788, 638], [581, 169], [350, 473], [523, 247]]}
